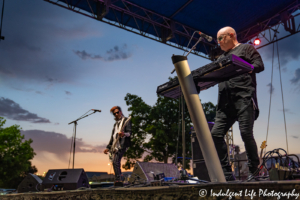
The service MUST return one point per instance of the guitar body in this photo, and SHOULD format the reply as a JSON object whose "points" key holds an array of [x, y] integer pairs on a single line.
{"points": [[113, 150], [110, 156]]}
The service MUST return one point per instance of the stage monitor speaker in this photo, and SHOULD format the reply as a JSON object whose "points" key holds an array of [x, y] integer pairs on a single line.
{"points": [[65, 179], [200, 170], [199, 167], [31, 183], [143, 171], [196, 150]]}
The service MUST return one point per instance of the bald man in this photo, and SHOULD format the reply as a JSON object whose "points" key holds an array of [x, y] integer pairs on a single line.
{"points": [[237, 101]]}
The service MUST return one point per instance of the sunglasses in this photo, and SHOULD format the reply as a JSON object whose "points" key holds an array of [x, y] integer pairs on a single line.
{"points": [[220, 38], [115, 113]]}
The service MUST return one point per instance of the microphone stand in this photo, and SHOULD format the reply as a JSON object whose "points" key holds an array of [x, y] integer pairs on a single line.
{"points": [[75, 124]]}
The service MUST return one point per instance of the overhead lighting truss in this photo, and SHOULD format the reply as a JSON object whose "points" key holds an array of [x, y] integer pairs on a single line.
{"points": [[167, 31], [286, 21]]}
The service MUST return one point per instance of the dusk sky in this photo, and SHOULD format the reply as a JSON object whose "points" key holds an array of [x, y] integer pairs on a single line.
{"points": [[55, 65]]}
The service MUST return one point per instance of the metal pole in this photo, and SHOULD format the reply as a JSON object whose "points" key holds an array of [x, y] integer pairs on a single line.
{"points": [[198, 118], [75, 124], [183, 133], [179, 105]]}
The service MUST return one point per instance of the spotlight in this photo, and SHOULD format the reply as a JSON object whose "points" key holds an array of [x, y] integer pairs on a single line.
{"points": [[256, 41]]}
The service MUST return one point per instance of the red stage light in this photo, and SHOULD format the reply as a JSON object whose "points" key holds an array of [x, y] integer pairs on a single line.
{"points": [[257, 41]]}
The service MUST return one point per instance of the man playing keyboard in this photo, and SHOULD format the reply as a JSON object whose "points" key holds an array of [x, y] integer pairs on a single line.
{"points": [[237, 101]]}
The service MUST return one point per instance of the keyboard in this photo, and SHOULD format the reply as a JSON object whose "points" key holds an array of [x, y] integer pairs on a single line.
{"points": [[208, 75]]}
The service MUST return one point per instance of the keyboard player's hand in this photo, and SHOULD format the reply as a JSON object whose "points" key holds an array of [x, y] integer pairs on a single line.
{"points": [[250, 72]]}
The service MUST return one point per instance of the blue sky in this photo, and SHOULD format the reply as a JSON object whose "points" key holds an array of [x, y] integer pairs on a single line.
{"points": [[55, 65]]}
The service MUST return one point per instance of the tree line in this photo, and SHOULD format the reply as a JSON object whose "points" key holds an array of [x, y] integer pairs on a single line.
{"points": [[156, 133]]}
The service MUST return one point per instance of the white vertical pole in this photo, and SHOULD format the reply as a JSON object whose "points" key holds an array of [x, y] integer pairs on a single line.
{"points": [[198, 118]]}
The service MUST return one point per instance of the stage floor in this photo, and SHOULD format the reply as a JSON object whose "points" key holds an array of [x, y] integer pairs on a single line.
{"points": [[230, 190]]}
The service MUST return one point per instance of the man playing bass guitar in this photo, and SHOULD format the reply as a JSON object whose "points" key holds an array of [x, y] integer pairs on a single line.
{"points": [[120, 139]]}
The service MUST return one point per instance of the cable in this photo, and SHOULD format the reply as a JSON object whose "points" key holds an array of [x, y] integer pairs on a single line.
{"points": [[36, 187], [189, 42], [85, 113], [287, 146], [279, 160], [271, 88], [194, 47]]}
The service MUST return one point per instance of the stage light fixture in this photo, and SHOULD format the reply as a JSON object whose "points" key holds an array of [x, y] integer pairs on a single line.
{"points": [[257, 41]]}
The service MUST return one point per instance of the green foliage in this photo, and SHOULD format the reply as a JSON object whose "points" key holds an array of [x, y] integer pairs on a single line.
{"points": [[156, 130], [210, 111], [15, 156], [163, 129], [139, 113]]}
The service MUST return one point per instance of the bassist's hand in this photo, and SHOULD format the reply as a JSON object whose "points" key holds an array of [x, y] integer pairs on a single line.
{"points": [[106, 151], [121, 134]]}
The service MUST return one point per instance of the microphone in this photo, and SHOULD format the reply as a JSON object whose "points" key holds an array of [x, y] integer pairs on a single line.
{"points": [[208, 38], [96, 110]]}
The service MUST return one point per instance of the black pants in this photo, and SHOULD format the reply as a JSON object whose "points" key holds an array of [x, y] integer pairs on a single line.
{"points": [[117, 163], [246, 121]]}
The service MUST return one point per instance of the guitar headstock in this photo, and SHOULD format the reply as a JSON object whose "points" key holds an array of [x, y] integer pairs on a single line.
{"points": [[263, 145]]}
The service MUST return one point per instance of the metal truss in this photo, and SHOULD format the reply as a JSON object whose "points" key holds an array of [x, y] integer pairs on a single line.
{"points": [[268, 30], [166, 30], [230, 145], [133, 18]]}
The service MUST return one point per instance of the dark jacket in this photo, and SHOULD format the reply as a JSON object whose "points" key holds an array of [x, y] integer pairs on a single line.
{"points": [[125, 142], [236, 94]]}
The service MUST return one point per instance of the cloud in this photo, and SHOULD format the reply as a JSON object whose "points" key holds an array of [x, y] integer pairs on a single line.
{"points": [[12, 110], [5, 71], [116, 53], [38, 92], [37, 48], [287, 111], [84, 55], [296, 78], [68, 93], [58, 144], [271, 88], [23, 89]]}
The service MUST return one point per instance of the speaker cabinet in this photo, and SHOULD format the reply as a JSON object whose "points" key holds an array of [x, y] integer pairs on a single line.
{"points": [[199, 166], [65, 179], [143, 171], [31, 183], [200, 170]]}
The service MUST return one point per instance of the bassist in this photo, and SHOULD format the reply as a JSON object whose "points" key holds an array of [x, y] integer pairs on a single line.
{"points": [[122, 143]]}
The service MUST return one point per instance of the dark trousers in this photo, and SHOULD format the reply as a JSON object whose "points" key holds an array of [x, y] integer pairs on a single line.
{"points": [[246, 121], [117, 163]]}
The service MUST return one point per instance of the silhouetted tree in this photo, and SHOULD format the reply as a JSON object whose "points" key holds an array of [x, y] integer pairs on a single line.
{"points": [[15, 156]]}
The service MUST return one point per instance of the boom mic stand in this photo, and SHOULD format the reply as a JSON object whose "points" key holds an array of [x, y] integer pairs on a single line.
{"points": [[75, 124]]}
